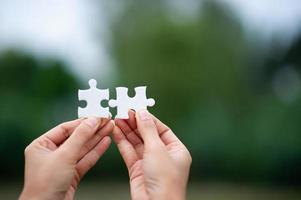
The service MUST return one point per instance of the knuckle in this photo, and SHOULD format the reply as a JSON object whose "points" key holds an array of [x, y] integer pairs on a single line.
{"points": [[27, 150], [189, 158], [186, 158], [64, 130]]}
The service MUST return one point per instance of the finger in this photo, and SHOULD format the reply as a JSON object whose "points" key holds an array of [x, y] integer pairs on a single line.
{"points": [[60, 133], [102, 132], [148, 130], [128, 132], [91, 158], [131, 136], [166, 134], [125, 148], [132, 120], [82, 134]]}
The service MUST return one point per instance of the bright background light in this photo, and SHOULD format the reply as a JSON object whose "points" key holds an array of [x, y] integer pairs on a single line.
{"points": [[62, 29], [68, 29]]}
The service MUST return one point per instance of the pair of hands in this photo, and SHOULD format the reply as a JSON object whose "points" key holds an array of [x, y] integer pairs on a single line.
{"points": [[157, 161]]}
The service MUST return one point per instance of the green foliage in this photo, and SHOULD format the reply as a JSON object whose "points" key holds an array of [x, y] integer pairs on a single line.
{"points": [[35, 95], [200, 72]]}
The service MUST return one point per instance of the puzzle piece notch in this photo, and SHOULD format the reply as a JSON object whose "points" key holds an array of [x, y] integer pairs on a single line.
{"points": [[93, 96], [124, 103]]}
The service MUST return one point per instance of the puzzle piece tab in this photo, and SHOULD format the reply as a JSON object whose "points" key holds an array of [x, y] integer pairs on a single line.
{"points": [[93, 97], [124, 103]]}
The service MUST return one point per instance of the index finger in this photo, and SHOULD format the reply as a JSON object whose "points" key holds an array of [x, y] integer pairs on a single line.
{"points": [[82, 134], [165, 133], [62, 132]]}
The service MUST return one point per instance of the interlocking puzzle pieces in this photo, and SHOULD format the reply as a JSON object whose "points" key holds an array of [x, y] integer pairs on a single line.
{"points": [[124, 103], [93, 97]]}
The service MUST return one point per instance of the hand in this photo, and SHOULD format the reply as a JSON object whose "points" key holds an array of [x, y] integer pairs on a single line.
{"points": [[157, 161], [56, 162]]}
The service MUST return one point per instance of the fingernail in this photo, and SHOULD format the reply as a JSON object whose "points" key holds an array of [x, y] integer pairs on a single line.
{"points": [[144, 115], [91, 121]]}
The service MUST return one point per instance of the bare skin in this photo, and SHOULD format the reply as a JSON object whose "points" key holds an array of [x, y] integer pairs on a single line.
{"points": [[158, 162], [57, 161]]}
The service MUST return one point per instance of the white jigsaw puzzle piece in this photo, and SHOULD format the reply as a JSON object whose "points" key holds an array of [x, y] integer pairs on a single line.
{"points": [[124, 103], [93, 97]]}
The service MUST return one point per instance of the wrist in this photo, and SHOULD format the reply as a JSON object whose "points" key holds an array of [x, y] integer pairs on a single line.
{"points": [[30, 194], [26, 196], [169, 195], [174, 191]]}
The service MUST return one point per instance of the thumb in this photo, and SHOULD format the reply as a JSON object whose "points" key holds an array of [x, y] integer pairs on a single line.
{"points": [[148, 130]]}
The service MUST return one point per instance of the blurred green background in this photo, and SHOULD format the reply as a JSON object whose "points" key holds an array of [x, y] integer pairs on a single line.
{"points": [[226, 76]]}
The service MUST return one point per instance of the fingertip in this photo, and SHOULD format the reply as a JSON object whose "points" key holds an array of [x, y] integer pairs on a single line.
{"points": [[103, 121], [113, 122], [92, 122], [106, 129], [131, 112], [116, 130], [148, 129], [132, 119], [136, 115], [145, 120], [107, 121], [107, 140], [117, 121]]}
